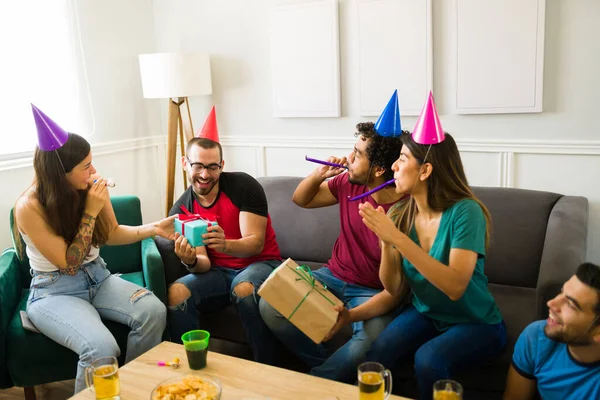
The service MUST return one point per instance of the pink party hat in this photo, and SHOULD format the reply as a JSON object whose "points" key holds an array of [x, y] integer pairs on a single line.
{"points": [[209, 130], [50, 135], [428, 129]]}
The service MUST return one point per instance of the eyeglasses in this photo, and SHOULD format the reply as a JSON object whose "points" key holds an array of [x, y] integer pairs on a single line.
{"points": [[198, 167]]}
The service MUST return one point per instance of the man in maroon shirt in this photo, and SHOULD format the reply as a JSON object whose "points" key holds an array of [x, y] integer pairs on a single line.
{"points": [[239, 252], [352, 273]]}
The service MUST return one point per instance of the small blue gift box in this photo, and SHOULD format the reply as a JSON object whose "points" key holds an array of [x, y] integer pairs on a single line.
{"points": [[192, 227]]}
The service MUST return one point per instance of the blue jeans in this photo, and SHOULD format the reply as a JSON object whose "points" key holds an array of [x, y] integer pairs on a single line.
{"points": [[68, 309], [213, 290], [437, 355], [342, 364]]}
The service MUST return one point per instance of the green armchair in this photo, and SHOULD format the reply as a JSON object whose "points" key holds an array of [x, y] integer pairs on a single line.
{"points": [[27, 358]]}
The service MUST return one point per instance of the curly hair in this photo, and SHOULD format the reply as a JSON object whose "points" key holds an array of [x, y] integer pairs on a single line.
{"points": [[382, 151]]}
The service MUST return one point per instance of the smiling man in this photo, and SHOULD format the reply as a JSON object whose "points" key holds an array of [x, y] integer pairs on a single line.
{"points": [[239, 253], [561, 355]]}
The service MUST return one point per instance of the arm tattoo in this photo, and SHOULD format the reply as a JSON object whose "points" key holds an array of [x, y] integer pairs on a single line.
{"points": [[79, 248]]}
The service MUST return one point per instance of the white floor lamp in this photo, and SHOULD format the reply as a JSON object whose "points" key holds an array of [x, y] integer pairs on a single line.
{"points": [[175, 77]]}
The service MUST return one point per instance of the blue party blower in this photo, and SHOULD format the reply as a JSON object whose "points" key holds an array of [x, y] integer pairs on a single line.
{"points": [[193, 226]]}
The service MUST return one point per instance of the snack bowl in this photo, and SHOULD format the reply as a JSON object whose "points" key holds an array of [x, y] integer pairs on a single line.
{"points": [[178, 387]]}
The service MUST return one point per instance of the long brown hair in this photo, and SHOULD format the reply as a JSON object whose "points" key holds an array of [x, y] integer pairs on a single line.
{"points": [[446, 185], [63, 204]]}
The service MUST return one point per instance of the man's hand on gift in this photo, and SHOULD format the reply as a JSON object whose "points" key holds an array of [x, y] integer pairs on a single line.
{"points": [[343, 319], [215, 239], [184, 250]]}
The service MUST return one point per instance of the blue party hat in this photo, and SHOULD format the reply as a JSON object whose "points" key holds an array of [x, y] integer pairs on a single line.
{"points": [[388, 123]]}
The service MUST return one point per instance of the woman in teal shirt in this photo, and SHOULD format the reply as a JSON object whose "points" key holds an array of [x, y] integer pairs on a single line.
{"points": [[436, 242]]}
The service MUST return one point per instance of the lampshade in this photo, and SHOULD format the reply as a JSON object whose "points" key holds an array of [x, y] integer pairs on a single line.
{"points": [[166, 75]]}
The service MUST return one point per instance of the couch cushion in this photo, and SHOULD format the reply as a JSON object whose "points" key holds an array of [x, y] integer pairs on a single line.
{"points": [[135, 277], [518, 308], [127, 258], [302, 234], [312, 264], [519, 221], [53, 361]]}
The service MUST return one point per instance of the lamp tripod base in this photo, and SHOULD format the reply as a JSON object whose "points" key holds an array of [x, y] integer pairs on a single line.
{"points": [[179, 125]]}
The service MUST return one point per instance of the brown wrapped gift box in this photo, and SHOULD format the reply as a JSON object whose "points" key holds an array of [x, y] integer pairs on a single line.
{"points": [[303, 300]]}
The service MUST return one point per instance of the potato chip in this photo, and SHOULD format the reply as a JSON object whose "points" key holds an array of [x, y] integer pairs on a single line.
{"points": [[191, 387]]}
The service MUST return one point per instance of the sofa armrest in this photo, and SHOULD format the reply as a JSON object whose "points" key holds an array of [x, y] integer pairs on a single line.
{"points": [[154, 273], [565, 248], [10, 293]]}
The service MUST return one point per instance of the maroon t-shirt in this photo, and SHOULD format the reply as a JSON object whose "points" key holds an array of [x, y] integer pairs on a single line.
{"points": [[238, 192], [356, 253]]}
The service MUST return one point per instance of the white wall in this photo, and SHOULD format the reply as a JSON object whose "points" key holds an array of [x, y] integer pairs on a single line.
{"points": [[556, 150], [236, 33], [113, 33], [124, 144]]}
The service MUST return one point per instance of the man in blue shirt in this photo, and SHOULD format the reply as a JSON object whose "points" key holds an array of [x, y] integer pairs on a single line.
{"points": [[561, 355]]}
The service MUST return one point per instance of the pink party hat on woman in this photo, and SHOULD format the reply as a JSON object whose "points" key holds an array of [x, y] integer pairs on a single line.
{"points": [[428, 129], [50, 135]]}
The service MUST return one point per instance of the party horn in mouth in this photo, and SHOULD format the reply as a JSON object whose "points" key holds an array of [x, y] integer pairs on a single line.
{"points": [[307, 158], [109, 182], [378, 188]]}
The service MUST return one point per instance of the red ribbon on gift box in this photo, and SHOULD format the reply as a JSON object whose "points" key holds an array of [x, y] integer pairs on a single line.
{"points": [[187, 216]]}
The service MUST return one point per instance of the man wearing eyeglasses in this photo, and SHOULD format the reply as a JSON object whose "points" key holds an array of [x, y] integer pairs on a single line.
{"points": [[238, 254]]}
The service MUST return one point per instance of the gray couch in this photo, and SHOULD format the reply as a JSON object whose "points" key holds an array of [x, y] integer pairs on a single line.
{"points": [[538, 240]]}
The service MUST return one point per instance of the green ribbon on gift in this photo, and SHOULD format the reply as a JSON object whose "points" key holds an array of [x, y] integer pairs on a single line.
{"points": [[305, 274]]}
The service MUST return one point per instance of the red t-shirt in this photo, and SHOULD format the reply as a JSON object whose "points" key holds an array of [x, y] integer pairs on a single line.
{"points": [[356, 253], [238, 192]]}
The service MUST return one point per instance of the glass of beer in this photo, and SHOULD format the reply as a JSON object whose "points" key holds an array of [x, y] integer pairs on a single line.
{"points": [[374, 381], [102, 377], [447, 389]]}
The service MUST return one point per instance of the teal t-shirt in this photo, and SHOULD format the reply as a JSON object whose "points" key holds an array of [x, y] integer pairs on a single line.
{"points": [[462, 226]]}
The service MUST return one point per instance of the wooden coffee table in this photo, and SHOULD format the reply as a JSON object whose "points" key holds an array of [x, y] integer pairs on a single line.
{"points": [[239, 378]]}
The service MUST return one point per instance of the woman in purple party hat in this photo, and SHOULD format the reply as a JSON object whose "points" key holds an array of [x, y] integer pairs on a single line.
{"points": [[437, 243], [63, 218]]}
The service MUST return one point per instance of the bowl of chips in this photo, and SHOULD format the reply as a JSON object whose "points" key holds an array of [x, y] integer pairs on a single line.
{"points": [[188, 387]]}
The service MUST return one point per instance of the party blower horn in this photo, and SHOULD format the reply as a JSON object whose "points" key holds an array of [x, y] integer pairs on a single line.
{"points": [[314, 160]]}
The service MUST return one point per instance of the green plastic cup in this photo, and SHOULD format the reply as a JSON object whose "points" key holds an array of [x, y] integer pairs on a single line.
{"points": [[196, 348]]}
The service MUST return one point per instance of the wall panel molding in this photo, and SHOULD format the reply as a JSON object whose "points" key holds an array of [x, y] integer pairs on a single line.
{"points": [[383, 48], [506, 149], [498, 56]]}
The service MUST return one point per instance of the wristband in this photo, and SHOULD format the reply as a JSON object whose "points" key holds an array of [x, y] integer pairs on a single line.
{"points": [[190, 266]]}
